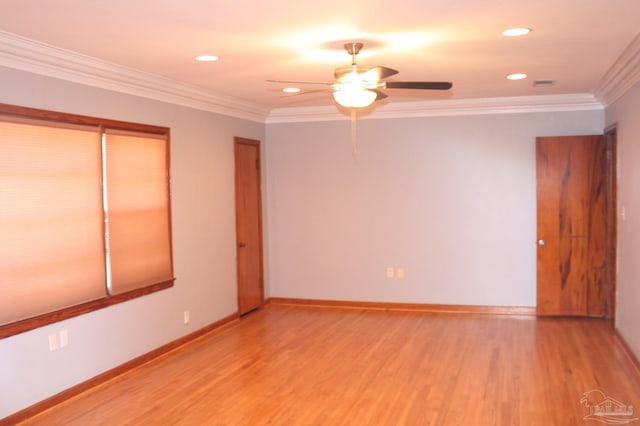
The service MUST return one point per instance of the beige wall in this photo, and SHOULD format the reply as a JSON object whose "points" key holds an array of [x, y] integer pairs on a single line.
{"points": [[625, 113], [449, 199]]}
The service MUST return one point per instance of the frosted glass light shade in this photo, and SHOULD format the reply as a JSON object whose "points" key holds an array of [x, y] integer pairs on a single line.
{"points": [[354, 97]]}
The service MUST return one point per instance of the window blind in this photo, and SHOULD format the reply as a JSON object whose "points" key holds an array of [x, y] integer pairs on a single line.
{"points": [[137, 167], [51, 218]]}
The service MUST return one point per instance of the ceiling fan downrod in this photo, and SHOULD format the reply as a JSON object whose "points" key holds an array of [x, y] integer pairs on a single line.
{"points": [[353, 49]]}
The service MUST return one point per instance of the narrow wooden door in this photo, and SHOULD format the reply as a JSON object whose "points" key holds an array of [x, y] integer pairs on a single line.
{"points": [[248, 225], [573, 274]]}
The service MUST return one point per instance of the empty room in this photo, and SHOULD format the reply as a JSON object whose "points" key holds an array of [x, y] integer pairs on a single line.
{"points": [[335, 213]]}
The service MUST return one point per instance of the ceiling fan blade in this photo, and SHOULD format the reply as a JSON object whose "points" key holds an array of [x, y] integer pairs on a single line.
{"points": [[380, 95], [306, 92], [299, 82], [379, 73], [420, 85], [370, 74]]}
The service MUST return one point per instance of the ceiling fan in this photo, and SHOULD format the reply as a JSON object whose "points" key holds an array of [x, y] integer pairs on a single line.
{"points": [[357, 86]]}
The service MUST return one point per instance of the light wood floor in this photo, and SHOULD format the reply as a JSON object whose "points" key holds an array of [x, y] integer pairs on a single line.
{"points": [[329, 366]]}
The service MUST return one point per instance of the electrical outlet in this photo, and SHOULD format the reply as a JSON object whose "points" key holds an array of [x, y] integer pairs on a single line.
{"points": [[64, 338], [186, 317], [53, 342], [400, 273], [390, 272]]}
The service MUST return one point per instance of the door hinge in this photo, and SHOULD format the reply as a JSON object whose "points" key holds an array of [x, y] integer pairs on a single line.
{"points": [[257, 164]]}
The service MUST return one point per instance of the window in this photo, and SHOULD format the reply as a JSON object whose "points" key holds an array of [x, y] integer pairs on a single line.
{"points": [[84, 215]]}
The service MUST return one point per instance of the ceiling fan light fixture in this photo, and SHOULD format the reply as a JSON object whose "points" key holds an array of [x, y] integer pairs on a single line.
{"points": [[354, 97]]}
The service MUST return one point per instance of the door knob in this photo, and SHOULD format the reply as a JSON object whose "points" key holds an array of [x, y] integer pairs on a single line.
{"points": [[241, 245], [541, 243]]}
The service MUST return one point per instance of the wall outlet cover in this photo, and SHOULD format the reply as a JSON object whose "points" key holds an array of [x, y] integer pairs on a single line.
{"points": [[53, 342]]}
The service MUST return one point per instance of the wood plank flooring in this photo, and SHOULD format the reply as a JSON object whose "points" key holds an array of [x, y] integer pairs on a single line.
{"points": [[288, 365]]}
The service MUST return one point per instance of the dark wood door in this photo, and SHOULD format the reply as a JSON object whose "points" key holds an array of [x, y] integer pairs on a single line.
{"points": [[248, 225], [573, 209]]}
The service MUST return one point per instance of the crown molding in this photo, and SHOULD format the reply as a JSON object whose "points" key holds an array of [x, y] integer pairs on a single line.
{"points": [[451, 107], [622, 76], [39, 58]]}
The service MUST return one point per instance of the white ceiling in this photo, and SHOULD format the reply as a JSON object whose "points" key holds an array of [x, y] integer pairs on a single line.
{"points": [[573, 42]]}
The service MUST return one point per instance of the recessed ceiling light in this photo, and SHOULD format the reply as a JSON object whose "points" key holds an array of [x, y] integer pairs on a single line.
{"points": [[291, 90], [515, 32], [207, 58], [516, 76]]}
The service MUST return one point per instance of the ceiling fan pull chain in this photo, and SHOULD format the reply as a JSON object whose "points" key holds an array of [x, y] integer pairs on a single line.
{"points": [[354, 135]]}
